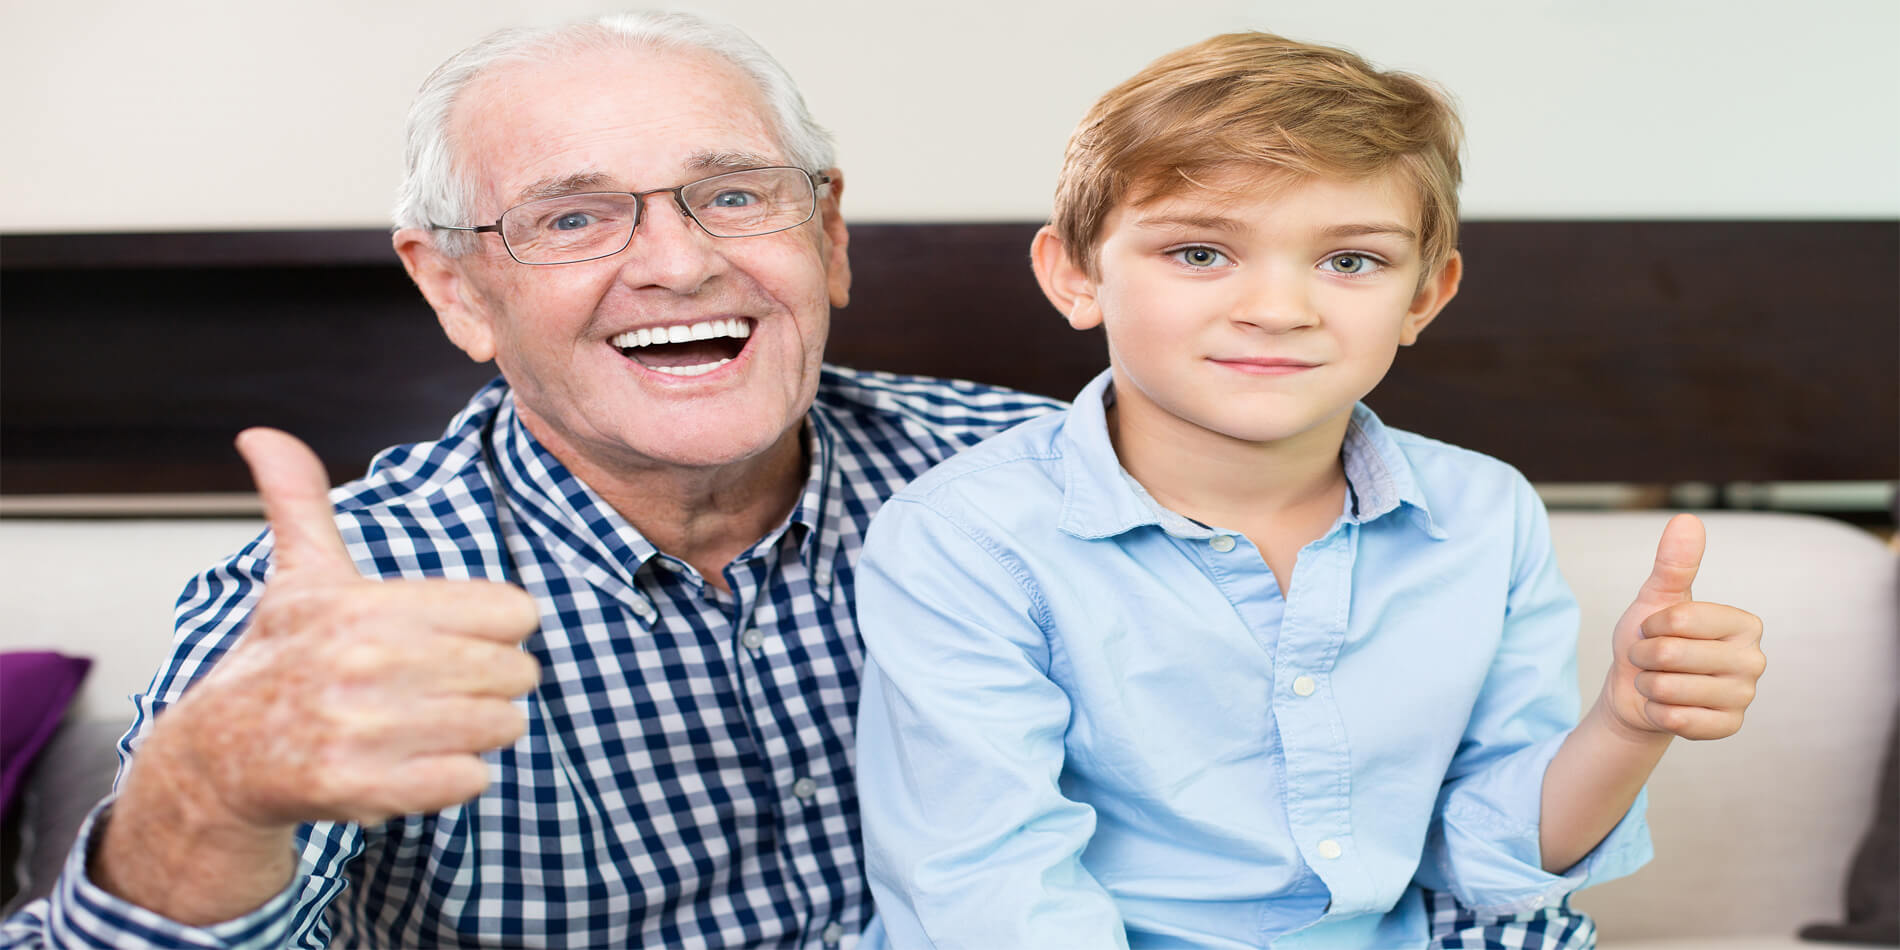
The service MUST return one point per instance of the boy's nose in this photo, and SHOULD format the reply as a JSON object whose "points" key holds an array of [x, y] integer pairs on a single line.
{"points": [[1276, 304]]}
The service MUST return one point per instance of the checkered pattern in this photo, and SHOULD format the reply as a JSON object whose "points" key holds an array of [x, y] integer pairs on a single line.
{"points": [[686, 780], [1552, 928]]}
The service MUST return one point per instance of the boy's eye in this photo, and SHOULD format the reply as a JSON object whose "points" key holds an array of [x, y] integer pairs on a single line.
{"points": [[1198, 256], [1352, 264]]}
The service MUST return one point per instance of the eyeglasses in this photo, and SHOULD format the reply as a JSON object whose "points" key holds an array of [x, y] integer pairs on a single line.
{"points": [[569, 229]]}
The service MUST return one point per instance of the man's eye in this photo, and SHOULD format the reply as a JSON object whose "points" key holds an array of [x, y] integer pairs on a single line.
{"points": [[1352, 264], [733, 199], [571, 221], [1198, 256]]}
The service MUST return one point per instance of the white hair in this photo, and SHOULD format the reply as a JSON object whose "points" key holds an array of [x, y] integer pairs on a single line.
{"points": [[435, 189]]}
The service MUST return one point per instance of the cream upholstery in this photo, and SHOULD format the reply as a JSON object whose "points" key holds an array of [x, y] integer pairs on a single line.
{"points": [[1753, 834]]}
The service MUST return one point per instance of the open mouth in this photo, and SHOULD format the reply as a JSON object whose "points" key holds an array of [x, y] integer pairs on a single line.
{"points": [[687, 349]]}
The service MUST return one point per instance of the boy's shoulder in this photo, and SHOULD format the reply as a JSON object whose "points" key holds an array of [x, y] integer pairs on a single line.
{"points": [[1448, 477]]}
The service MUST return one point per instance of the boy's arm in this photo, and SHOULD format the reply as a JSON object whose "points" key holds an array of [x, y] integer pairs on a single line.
{"points": [[1678, 667], [969, 841]]}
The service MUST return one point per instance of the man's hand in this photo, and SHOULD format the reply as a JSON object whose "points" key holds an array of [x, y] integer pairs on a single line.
{"points": [[346, 699], [1680, 666]]}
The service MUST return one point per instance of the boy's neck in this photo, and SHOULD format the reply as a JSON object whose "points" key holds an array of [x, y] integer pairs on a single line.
{"points": [[1233, 484]]}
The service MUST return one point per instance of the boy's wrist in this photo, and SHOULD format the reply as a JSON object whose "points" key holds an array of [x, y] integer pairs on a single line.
{"points": [[1640, 737]]}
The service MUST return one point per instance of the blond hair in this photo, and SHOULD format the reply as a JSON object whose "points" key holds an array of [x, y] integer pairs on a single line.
{"points": [[1259, 103]]}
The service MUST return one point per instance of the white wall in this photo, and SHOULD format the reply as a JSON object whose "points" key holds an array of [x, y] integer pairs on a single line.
{"points": [[127, 115]]}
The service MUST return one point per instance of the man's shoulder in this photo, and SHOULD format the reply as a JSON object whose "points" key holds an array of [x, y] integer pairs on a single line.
{"points": [[440, 489], [892, 412]]}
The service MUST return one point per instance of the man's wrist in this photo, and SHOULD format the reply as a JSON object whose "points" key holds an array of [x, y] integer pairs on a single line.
{"points": [[172, 848]]}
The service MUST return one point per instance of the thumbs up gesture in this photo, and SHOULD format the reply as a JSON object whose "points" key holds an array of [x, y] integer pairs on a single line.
{"points": [[346, 699], [1681, 666]]}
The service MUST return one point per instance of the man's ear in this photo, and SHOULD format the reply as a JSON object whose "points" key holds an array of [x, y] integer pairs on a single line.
{"points": [[1064, 282], [440, 279], [1432, 296], [838, 262]]}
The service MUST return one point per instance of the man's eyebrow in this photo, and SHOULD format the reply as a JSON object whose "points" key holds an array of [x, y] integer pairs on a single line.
{"points": [[566, 185], [729, 161]]}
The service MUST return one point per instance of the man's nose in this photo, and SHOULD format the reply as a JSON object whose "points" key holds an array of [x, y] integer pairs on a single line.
{"points": [[670, 249]]}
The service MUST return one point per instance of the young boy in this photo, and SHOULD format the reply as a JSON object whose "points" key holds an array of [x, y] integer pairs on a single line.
{"points": [[1215, 659]]}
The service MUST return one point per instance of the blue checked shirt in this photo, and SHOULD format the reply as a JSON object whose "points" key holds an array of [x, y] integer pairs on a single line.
{"points": [[686, 780]]}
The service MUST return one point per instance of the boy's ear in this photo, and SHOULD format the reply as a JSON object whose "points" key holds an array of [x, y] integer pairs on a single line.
{"points": [[1064, 282], [1432, 296], [440, 279]]}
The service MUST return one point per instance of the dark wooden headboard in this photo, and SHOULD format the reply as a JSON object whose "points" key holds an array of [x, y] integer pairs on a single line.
{"points": [[1650, 352]]}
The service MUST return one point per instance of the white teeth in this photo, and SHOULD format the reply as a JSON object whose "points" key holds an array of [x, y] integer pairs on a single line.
{"points": [[736, 328], [700, 370]]}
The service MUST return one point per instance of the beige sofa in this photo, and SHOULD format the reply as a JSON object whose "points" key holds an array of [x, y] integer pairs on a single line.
{"points": [[1754, 834]]}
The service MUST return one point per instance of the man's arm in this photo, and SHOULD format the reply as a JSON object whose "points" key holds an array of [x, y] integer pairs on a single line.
{"points": [[1679, 667], [968, 839], [345, 700]]}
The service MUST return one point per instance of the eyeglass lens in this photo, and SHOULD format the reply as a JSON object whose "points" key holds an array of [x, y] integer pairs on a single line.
{"points": [[579, 227]]}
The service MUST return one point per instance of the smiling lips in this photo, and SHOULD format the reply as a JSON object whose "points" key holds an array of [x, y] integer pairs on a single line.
{"points": [[1265, 367], [685, 349]]}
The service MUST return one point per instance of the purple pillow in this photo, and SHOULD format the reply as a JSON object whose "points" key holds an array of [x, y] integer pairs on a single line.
{"points": [[35, 687]]}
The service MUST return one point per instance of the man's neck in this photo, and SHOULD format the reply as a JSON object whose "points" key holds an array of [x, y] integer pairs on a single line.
{"points": [[703, 515]]}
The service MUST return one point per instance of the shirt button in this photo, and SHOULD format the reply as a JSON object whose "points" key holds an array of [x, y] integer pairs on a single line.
{"points": [[1221, 542], [833, 933], [752, 638], [1330, 849], [1304, 686], [805, 788]]}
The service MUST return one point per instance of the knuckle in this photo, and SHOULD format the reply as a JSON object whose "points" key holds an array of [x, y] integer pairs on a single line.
{"points": [[358, 660], [525, 675], [1665, 653]]}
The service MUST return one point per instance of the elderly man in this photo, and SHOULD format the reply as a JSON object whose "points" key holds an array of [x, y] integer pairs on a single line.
{"points": [[602, 695]]}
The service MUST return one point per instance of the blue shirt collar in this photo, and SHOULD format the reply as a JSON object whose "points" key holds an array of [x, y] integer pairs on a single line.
{"points": [[1100, 499]]}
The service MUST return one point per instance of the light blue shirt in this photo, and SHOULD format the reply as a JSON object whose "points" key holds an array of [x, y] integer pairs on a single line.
{"points": [[1087, 721]]}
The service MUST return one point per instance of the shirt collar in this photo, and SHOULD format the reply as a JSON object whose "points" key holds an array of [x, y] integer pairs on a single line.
{"points": [[586, 526], [819, 516], [1100, 499]]}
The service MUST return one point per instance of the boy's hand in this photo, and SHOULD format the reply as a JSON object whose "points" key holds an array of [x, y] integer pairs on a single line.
{"points": [[1681, 666]]}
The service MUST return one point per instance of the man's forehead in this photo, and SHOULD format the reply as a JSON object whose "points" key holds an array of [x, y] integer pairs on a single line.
{"points": [[612, 120], [697, 165]]}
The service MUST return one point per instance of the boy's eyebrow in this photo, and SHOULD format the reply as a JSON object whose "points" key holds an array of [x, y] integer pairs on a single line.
{"points": [[1215, 222], [1193, 222], [1362, 230]]}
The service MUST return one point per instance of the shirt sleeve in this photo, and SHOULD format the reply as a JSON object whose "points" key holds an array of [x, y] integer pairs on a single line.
{"points": [[210, 616], [1484, 847], [969, 840]]}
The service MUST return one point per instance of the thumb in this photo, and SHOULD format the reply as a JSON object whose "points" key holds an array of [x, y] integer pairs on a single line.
{"points": [[296, 493], [1678, 557]]}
